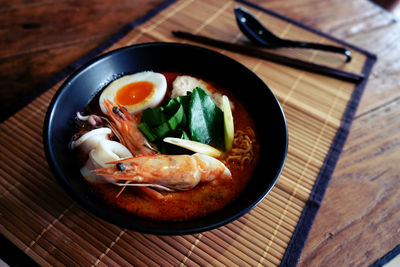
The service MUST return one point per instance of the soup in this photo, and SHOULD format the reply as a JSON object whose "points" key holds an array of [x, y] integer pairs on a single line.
{"points": [[131, 186]]}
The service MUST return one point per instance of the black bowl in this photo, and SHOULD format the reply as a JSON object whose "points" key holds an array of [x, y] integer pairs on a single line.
{"points": [[78, 90]]}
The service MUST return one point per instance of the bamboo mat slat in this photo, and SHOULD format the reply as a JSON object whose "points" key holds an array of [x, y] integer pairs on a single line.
{"points": [[44, 222]]}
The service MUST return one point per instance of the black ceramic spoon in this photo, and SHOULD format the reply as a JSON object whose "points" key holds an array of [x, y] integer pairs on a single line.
{"points": [[258, 34]]}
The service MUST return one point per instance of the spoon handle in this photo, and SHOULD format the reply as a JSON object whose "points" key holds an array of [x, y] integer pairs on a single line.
{"points": [[323, 47]]}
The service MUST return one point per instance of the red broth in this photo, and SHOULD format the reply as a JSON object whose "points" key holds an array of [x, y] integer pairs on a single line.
{"points": [[204, 199]]}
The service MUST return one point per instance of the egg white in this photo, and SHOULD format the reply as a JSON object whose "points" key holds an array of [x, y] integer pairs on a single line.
{"points": [[154, 99]]}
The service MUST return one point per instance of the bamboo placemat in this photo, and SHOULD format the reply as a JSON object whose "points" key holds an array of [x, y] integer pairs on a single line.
{"points": [[44, 222]]}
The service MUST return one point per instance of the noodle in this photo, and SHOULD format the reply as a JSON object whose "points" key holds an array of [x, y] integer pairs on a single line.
{"points": [[242, 152]]}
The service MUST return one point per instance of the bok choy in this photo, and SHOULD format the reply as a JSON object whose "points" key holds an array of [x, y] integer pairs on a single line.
{"points": [[194, 116]]}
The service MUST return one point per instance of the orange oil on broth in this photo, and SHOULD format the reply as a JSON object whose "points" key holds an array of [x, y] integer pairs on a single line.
{"points": [[204, 199]]}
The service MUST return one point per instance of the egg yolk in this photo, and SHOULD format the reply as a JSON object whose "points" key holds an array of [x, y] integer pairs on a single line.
{"points": [[134, 93]]}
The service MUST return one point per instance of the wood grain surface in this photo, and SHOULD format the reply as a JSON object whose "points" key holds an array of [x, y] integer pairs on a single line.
{"points": [[359, 220]]}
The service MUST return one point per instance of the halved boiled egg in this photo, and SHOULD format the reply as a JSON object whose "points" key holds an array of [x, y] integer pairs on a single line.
{"points": [[135, 92]]}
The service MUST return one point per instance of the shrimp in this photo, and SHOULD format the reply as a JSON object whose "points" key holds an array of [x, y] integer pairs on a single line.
{"points": [[167, 172], [124, 126]]}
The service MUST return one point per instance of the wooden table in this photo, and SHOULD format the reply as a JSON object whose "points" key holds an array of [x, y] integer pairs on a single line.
{"points": [[359, 218]]}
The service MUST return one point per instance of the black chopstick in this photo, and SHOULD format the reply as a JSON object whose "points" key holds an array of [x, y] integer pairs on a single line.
{"points": [[288, 61]]}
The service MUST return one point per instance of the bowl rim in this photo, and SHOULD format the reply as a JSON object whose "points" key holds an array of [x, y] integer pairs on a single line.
{"points": [[126, 224]]}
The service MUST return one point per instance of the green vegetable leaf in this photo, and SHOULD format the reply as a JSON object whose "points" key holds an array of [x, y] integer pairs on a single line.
{"points": [[206, 119], [144, 127], [153, 116], [184, 136], [173, 105], [161, 130], [177, 119]]}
